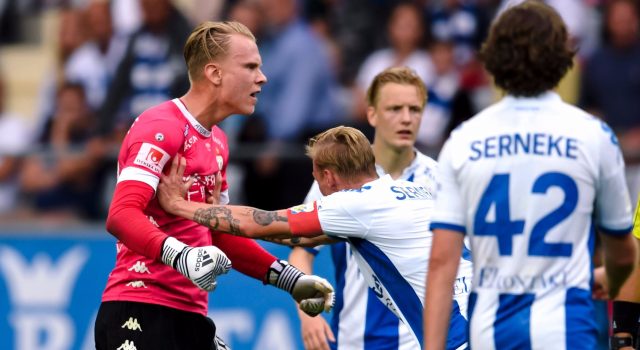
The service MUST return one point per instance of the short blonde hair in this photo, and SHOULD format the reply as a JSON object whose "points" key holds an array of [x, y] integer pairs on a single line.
{"points": [[210, 41], [398, 75], [344, 150]]}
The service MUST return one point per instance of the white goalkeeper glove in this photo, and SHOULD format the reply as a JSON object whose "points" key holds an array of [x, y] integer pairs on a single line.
{"points": [[199, 264], [313, 293]]}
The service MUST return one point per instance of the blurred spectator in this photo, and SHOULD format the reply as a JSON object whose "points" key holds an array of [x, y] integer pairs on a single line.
{"points": [[152, 68], [9, 21], [459, 22], [64, 181], [300, 98], [71, 35], [127, 16], [580, 19], [405, 32], [93, 64], [611, 82], [442, 91], [248, 13], [359, 31], [14, 141]]}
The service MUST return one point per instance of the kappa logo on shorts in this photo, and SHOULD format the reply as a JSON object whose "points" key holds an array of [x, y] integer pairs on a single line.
{"points": [[151, 157], [136, 284], [132, 324], [127, 345]]}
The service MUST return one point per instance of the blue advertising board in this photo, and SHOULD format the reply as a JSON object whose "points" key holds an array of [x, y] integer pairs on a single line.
{"points": [[50, 289]]}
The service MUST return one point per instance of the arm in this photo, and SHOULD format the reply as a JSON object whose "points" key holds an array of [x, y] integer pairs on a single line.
{"points": [[237, 220], [315, 330], [127, 222], [619, 260], [443, 266]]}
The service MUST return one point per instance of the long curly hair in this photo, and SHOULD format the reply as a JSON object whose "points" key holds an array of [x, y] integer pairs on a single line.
{"points": [[528, 50]]}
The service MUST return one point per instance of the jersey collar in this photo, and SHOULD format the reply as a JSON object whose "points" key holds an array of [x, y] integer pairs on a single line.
{"points": [[545, 97], [406, 172], [192, 120]]}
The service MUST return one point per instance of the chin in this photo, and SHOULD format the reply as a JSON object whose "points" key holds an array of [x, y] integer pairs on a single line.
{"points": [[247, 110], [405, 144]]}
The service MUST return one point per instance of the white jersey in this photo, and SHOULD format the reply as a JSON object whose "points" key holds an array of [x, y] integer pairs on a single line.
{"points": [[524, 180], [355, 301], [391, 241]]}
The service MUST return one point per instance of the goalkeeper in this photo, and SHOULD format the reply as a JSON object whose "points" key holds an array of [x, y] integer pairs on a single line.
{"points": [[156, 296], [385, 221]]}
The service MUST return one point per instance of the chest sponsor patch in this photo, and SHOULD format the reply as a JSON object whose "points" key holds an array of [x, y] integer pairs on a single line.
{"points": [[151, 157]]}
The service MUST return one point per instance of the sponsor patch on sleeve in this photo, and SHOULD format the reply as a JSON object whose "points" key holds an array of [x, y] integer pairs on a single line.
{"points": [[151, 157], [303, 208]]}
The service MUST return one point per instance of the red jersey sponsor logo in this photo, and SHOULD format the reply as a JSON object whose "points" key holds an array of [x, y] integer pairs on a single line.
{"points": [[151, 157]]}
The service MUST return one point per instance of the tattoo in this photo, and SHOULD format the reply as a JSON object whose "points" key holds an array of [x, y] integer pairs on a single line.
{"points": [[265, 218], [213, 217]]}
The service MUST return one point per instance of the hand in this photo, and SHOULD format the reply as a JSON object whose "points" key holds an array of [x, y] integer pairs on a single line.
{"points": [[600, 284], [172, 189], [316, 333], [213, 197], [313, 293], [202, 265]]}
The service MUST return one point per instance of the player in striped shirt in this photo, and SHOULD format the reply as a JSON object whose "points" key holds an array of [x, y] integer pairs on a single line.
{"points": [[527, 179]]}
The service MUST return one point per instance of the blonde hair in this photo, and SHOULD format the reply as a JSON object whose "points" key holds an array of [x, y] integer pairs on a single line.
{"points": [[344, 150], [398, 75], [210, 41]]}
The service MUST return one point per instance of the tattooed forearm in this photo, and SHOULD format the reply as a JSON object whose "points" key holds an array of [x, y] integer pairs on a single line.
{"points": [[265, 218], [214, 217]]}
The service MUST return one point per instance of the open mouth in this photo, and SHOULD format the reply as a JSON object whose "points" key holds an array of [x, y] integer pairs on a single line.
{"points": [[255, 94]]}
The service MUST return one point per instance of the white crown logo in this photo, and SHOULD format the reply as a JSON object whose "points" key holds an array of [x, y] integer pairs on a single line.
{"points": [[41, 282]]}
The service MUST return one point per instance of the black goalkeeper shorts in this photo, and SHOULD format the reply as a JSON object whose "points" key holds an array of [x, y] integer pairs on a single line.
{"points": [[139, 326]]}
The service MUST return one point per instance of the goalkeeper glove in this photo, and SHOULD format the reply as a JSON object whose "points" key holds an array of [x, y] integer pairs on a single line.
{"points": [[199, 264], [313, 293]]}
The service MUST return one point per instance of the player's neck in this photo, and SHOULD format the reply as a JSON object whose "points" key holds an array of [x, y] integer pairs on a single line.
{"points": [[202, 107], [355, 183], [393, 161]]}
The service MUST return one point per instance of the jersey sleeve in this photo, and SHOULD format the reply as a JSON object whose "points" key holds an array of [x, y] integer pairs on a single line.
{"points": [[149, 146], [613, 206], [449, 207], [345, 214]]}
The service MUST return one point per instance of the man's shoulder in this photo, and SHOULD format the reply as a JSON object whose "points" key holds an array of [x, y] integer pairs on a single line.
{"points": [[162, 122]]}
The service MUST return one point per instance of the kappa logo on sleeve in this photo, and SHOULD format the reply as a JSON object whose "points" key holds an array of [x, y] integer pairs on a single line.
{"points": [[151, 157]]}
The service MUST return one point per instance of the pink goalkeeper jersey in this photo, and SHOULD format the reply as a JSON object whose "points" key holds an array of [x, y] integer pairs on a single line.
{"points": [[153, 140]]}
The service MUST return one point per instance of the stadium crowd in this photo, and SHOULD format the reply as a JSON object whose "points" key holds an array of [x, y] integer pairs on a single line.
{"points": [[116, 58]]}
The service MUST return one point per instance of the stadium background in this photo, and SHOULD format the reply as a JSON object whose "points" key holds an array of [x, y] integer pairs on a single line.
{"points": [[62, 114]]}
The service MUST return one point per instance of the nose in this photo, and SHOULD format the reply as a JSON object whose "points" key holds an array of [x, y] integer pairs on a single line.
{"points": [[405, 115], [262, 79]]}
